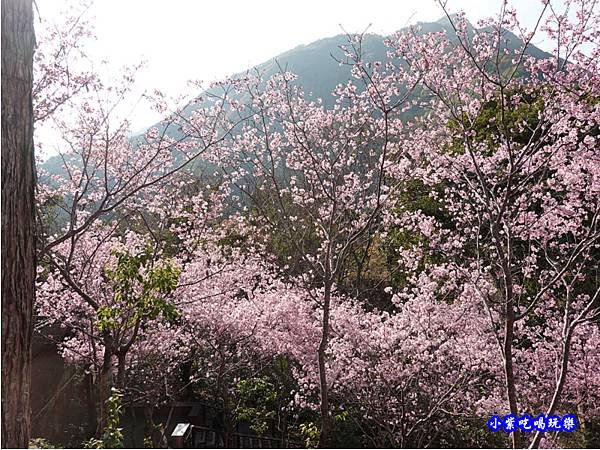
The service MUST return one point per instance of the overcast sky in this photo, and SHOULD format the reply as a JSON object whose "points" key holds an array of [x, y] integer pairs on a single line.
{"points": [[207, 40]]}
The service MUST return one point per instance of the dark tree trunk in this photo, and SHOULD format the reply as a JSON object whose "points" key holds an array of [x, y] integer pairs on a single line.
{"points": [[91, 405], [152, 430], [326, 425], [509, 336], [228, 419], [104, 382], [121, 370], [18, 245], [509, 375]]}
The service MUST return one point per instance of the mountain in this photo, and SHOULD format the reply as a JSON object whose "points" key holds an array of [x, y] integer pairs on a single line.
{"points": [[319, 73]]}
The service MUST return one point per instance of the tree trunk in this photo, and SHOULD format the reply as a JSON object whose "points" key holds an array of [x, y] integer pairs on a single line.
{"points": [[581, 415], [511, 390], [325, 418], [91, 404], [228, 419], [18, 238], [104, 385], [564, 368], [509, 329], [229, 434], [154, 432], [121, 370]]}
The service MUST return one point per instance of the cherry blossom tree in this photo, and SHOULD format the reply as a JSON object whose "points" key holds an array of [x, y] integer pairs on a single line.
{"points": [[513, 161], [61, 66], [317, 177], [117, 287], [152, 268], [109, 181]]}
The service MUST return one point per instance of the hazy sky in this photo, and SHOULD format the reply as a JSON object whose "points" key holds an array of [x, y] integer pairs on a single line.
{"points": [[206, 40]]}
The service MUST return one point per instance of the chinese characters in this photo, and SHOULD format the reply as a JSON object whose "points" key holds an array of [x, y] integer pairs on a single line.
{"points": [[511, 423]]}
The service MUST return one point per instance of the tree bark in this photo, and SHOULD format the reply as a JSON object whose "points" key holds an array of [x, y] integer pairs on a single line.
{"points": [[564, 368], [325, 417], [121, 370], [18, 238], [105, 384], [509, 330], [511, 389], [228, 420], [92, 413]]}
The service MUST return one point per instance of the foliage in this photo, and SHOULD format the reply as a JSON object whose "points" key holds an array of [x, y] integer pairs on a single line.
{"points": [[311, 434], [257, 396], [139, 284], [40, 443], [112, 435]]}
